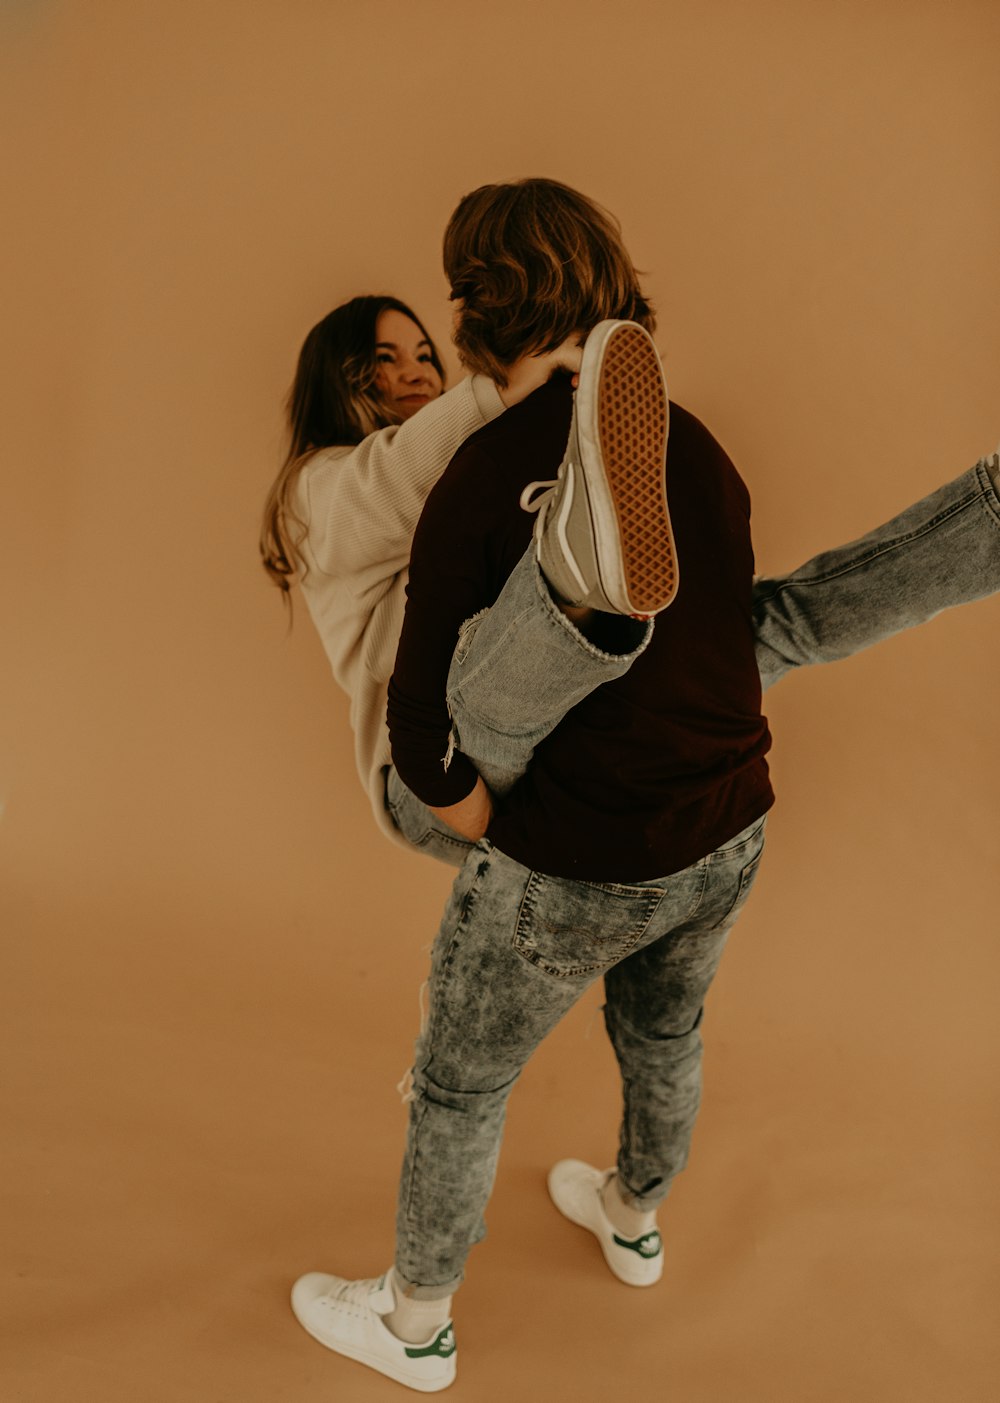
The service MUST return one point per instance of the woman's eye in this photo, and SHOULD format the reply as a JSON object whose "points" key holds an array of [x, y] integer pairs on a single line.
{"points": [[383, 359], [427, 357]]}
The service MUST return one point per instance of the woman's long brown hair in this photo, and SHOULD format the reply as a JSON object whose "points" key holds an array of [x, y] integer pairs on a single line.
{"points": [[334, 400]]}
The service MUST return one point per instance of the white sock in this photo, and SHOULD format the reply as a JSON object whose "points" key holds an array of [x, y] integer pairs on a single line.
{"points": [[416, 1321], [630, 1222]]}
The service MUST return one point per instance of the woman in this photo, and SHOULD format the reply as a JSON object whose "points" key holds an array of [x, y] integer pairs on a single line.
{"points": [[371, 430]]}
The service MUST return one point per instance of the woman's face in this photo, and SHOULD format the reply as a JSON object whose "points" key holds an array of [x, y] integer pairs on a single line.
{"points": [[406, 374]]}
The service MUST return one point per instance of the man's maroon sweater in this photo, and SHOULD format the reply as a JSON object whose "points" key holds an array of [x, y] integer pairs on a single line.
{"points": [[651, 771]]}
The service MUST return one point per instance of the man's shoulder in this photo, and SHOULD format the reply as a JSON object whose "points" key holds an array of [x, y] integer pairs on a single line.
{"points": [[474, 485], [546, 412], [471, 472], [698, 467], [687, 430], [523, 441]]}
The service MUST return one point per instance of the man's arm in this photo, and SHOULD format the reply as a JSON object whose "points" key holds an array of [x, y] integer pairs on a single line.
{"points": [[450, 582], [471, 815]]}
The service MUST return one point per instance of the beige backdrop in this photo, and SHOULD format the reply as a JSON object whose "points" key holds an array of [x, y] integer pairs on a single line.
{"points": [[211, 957]]}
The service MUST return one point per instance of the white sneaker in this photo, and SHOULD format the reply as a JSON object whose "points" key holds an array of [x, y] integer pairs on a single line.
{"points": [[575, 1189], [346, 1316]]}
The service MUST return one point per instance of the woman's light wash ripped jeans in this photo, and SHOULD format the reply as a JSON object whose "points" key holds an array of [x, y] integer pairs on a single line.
{"points": [[517, 948]]}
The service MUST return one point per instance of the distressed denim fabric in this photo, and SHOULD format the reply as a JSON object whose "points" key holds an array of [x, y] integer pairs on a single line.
{"points": [[503, 698], [942, 551], [421, 828], [515, 951], [503, 703]]}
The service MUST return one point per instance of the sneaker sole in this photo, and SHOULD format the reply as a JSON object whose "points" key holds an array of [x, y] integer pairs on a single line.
{"points": [[633, 417]]}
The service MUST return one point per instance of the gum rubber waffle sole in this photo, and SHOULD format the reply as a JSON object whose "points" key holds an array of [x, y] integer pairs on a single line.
{"points": [[632, 425]]}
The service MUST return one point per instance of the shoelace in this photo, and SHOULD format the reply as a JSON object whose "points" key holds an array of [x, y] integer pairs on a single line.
{"points": [[356, 1293], [529, 503]]}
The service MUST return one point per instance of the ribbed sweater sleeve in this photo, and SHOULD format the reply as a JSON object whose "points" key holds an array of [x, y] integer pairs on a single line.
{"points": [[362, 504]]}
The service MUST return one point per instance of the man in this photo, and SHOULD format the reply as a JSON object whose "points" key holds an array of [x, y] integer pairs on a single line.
{"points": [[612, 767]]}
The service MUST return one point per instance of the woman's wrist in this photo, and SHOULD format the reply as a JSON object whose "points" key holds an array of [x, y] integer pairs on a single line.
{"points": [[524, 377], [529, 373]]}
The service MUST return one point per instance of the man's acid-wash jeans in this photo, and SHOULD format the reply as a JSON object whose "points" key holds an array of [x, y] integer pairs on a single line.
{"points": [[515, 951], [517, 948]]}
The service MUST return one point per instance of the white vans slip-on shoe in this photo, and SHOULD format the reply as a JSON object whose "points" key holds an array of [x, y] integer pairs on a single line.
{"points": [[603, 537]]}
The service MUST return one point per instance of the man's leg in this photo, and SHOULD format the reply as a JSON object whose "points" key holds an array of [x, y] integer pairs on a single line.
{"points": [[499, 983], [515, 950], [653, 1016], [942, 551]]}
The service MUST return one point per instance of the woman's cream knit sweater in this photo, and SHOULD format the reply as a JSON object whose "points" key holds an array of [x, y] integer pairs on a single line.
{"points": [[361, 506]]}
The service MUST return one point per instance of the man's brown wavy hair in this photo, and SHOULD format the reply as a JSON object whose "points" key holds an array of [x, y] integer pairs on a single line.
{"points": [[532, 262]]}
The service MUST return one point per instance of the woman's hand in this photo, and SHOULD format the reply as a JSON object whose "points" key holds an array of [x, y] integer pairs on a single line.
{"points": [[471, 815], [529, 373]]}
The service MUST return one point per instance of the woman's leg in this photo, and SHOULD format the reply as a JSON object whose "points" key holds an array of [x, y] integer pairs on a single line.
{"points": [[520, 666], [420, 826], [942, 551], [490, 1005], [653, 1017]]}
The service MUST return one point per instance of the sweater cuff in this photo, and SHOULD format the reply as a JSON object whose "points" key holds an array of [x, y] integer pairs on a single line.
{"points": [[487, 397]]}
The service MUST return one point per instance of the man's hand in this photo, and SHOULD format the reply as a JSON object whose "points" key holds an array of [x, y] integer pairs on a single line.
{"points": [[530, 372], [471, 815]]}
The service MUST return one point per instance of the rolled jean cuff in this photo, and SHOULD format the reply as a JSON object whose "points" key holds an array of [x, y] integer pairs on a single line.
{"points": [[646, 1202], [413, 1292]]}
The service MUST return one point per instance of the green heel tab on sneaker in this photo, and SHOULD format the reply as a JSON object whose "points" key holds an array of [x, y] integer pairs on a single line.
{"points": [[442, 1345], [649, 1245]]}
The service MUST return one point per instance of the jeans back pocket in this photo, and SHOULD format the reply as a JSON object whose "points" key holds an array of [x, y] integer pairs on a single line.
{"points": [[570, 929]]}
